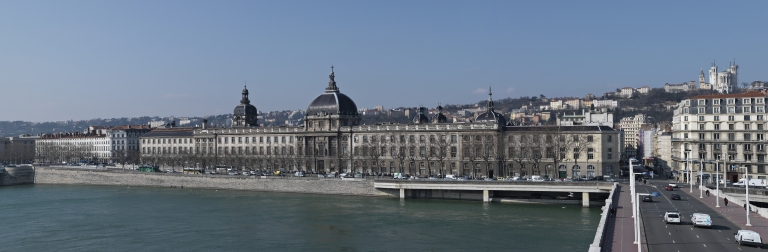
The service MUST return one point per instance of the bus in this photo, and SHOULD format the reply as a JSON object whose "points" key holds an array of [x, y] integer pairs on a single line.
{"points": [[147, 168]]}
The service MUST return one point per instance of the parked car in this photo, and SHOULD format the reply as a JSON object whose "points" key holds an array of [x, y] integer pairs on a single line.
{"points": [[669, 188], [450, 176], [701, 220], [647, 198], [672, 217], [675, 197], [748, 237]]}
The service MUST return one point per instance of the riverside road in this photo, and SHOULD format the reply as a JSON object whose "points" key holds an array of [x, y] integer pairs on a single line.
{"points": [[684, 237]]}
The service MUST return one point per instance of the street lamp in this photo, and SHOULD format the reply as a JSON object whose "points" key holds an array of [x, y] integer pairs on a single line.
{"points": [[637, 223], [689, 164], [746, 179], [725, 184], [701, 178], [717, 182]]}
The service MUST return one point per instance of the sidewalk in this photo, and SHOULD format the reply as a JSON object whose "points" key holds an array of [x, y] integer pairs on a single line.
{"points": [[734, 211], [620, 234]]}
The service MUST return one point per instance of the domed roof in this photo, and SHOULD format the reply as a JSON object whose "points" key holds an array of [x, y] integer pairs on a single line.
{"points": [[332, 102], [245, 107], [490, 115], [439, 117]]}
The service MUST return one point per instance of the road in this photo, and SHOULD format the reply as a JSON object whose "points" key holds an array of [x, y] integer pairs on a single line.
{"points": [[684, 237]]}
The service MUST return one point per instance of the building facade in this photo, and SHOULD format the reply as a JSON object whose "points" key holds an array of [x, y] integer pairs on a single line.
{"points": [[724, 128], [631, 127], [332, 140]]}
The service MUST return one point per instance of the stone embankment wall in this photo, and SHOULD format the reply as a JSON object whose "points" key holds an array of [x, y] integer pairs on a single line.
{"points": [[17, 175], [254, 183]]}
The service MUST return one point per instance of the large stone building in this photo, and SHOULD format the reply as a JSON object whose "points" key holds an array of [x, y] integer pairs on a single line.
{"points": [[116, 144], [729, 128], [332, 139], [17, 150]]}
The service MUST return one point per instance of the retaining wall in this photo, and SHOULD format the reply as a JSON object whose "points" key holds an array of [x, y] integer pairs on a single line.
{"points": [[17, 175], [254, 183]]}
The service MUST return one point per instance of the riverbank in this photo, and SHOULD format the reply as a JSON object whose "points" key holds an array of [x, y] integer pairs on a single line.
{"points": [[74, 176]]}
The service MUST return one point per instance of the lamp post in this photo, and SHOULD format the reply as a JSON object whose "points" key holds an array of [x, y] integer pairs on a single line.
{"points": [[717, 182], [701, 178], [688, 162], [746, 179], [725, 167], [637, 223]]}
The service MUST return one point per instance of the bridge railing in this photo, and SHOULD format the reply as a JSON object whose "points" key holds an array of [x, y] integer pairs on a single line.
{"points": [[596, 245]]}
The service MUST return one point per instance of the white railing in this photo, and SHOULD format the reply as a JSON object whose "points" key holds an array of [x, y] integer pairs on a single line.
{"points": [[601, 227]]}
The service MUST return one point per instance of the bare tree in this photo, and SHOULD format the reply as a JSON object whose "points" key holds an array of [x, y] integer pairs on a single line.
{"points": [[518, 154], [374, 151], [441, 155], [558, 145], [488, 151]]}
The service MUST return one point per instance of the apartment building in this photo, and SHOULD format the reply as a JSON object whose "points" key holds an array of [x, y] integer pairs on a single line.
{"points": [[723, 128]]}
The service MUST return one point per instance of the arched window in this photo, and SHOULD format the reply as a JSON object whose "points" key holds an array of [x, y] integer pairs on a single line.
{"points": [[576, 169]]}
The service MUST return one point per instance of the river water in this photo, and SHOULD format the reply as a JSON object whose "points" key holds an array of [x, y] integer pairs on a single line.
{"points": [[110, 218]]}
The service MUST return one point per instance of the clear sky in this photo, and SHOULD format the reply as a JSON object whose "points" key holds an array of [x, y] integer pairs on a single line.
{"points": [[62, 60]]}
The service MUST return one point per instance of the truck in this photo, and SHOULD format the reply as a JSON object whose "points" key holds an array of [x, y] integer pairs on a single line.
{"points": [[752, 182]]}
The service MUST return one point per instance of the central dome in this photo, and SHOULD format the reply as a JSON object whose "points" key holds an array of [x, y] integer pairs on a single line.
{"points": [[332, 102]]}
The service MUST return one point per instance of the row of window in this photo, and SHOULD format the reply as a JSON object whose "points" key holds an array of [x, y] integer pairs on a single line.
{"points": [[746, 126], [728, 110], [730, 101], [731, 136]]}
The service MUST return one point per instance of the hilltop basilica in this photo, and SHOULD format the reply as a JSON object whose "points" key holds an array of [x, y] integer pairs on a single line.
{"points": [[722, 82]]}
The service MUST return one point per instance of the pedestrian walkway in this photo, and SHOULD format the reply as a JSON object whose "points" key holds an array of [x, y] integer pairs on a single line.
{"points": [[620, 233], [734, 212]]}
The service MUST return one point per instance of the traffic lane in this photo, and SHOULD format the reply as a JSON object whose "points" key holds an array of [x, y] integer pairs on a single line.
{"points": [[717, 238], [661, 236]]}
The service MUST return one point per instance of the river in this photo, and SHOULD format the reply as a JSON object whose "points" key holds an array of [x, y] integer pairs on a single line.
{"points": [[112, 218]]}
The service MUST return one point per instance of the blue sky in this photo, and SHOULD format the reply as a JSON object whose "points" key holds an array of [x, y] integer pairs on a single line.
{"points": [[76, 60]]}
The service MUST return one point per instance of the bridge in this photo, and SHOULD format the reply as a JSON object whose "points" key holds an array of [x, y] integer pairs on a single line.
{"points": [[451, 188]]}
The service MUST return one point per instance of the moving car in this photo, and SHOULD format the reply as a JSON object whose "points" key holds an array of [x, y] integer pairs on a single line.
{"points": [[673, 185], [675, 197], [672, 217], [701, 220], [647, 198], [748, 237], [669, 188]]}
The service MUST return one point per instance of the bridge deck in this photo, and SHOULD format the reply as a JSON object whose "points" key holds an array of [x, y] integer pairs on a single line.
{"points": [[595, 187]]}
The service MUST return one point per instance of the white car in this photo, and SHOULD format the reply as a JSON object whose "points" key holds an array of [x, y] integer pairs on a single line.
{"points": [[701, 220], [748, 237], [673, 185], [672, 217]]}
